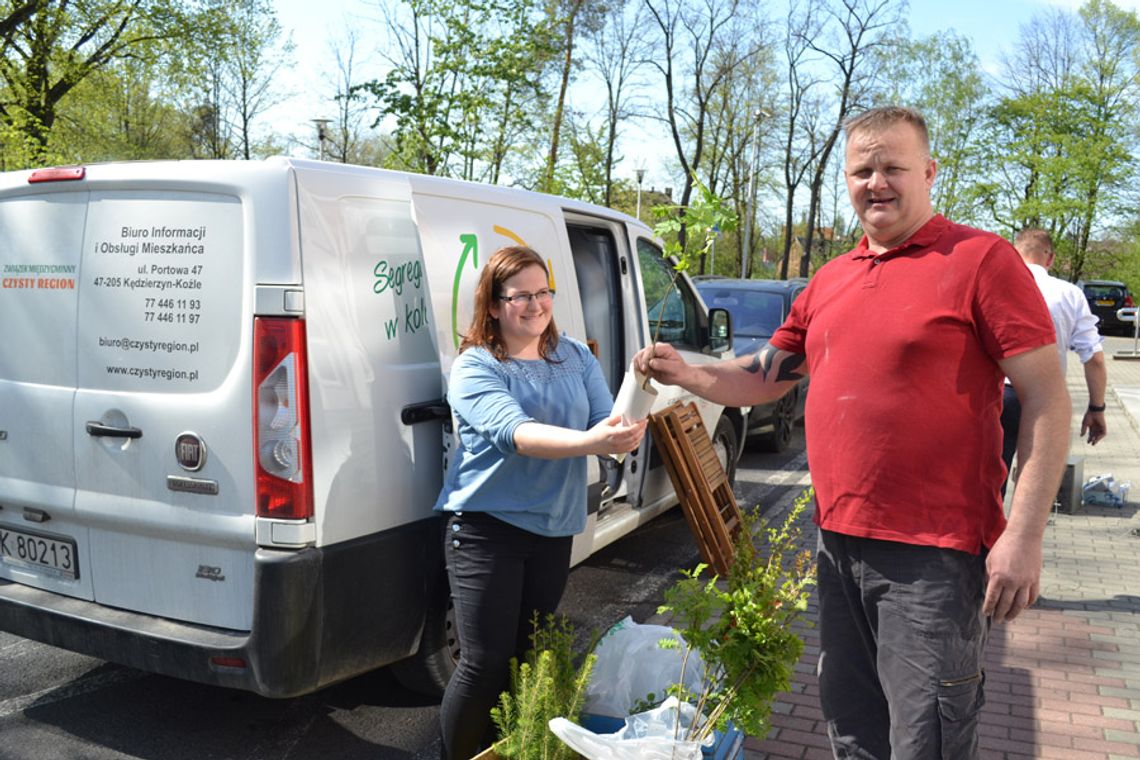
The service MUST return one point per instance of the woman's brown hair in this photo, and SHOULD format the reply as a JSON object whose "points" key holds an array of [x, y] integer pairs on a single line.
{"points": [[504, 264]]}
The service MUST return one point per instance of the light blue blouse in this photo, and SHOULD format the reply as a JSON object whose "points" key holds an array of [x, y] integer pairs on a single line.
{"points": [[490, 400]]}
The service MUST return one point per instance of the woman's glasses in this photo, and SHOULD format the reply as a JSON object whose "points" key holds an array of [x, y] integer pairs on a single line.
{"points": [[519, 299]]}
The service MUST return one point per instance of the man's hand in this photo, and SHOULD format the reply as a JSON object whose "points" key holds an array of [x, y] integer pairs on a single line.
{"points": [[1094, 426], [1013, 568], [742, 381], [661, 362]]}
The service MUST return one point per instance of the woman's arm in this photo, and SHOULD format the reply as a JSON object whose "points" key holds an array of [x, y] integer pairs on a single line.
{"points": [[534, 439], [606, 436]]}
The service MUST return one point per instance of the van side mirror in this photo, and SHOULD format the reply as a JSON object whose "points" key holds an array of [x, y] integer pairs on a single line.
{"points": [[720, 331]]}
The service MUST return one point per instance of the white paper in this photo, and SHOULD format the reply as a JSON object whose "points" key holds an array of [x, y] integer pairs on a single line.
{"points": [[634, 400]]}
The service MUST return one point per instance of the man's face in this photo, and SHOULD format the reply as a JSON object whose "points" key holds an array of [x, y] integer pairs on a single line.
{"points": [[889, 177]]}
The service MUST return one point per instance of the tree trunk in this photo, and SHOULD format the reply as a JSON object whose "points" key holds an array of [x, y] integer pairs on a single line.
{"points": [[567, 65], [789, 235]]}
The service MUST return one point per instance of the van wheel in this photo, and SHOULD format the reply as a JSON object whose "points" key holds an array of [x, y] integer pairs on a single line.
{"points": [[428, 670], [726, 447], [783, 421]]}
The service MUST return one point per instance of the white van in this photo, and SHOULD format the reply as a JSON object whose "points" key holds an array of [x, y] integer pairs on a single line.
{"points": [[222, 414]]}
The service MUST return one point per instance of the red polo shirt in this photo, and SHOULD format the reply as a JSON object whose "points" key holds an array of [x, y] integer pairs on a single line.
{"points": [[903, 431]]}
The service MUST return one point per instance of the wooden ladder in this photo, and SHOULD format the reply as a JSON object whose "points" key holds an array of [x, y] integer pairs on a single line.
{"points": [[700, 482]]}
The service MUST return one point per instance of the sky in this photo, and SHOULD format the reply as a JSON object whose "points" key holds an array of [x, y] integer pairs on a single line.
{"points": [[992, 26]]}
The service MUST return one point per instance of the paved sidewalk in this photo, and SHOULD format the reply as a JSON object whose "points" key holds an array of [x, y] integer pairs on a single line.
{"points": [[1063, 680]]}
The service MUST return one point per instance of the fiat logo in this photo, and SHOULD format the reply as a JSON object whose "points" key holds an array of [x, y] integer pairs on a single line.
{"points": [[190, 451]]}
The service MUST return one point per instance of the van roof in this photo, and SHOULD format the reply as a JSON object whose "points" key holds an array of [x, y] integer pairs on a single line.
{"points": [[213, 169]]}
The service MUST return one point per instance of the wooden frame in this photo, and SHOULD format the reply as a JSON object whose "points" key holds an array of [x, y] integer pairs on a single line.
{"points": [[700, 482]]}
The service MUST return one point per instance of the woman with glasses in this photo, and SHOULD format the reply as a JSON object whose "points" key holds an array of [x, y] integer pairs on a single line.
{"points": [[531, 406]]}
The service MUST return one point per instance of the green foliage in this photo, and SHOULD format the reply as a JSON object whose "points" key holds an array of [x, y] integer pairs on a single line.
{"points": [[549, 684], [941, 76], [18, 149], [114, 114], [707, 215], [742, 624], [1119, 257], [466, 87], [1061, 142], [60, 45]]}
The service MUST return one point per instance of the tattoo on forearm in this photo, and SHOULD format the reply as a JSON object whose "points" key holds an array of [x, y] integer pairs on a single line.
{"points": [[786, 369]]}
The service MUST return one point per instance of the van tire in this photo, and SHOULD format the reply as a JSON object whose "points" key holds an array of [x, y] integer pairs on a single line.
{"points": [[428, 670], [783, 424], [726, 446]]}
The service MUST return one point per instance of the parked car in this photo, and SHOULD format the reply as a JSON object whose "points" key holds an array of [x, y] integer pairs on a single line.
{"points": [[758, 307], [1105, 297]]}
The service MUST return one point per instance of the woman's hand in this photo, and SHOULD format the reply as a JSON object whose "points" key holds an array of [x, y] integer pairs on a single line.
{"points": [[616, 437]]}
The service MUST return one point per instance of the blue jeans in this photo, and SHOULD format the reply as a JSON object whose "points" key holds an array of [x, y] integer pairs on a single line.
{"points": [[500, 576], [901, 642]]}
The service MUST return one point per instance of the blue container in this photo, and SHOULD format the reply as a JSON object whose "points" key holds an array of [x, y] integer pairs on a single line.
{"points": [[727, 745]]}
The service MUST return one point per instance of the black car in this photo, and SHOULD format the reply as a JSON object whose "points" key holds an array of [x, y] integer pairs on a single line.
{"points": [[1105, 297], [758, 307]]}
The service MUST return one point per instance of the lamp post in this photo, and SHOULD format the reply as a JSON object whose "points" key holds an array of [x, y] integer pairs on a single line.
{"points": [[640, 172], [746, 242], [322, 135]]}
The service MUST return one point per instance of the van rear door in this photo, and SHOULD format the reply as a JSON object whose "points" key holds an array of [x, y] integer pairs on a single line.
{"points": [[162, 413], [42, 544]]}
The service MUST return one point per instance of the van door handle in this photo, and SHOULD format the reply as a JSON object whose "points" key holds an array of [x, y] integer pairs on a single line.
{"points": [[413, 414], [99, 430]]}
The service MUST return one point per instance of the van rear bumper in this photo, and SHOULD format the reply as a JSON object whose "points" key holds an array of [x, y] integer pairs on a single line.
{"points": [[321, 615]]}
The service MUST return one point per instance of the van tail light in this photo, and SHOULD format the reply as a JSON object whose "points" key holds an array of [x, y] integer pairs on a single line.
{"points": [[281, 419], [1128, 301]]}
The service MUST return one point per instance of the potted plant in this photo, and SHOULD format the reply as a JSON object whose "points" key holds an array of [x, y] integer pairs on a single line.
{"points": [[743, 624], [550, 683], [732, 647]]}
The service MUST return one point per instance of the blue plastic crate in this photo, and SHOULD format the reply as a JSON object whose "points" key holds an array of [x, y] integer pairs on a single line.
{"points": [[727, 745]]}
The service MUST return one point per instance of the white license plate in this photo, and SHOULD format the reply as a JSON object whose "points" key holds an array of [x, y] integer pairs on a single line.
{"points": [[55, 555]]}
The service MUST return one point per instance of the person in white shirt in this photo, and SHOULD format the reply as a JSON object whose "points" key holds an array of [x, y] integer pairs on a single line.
{"points": [[1076, 331]]}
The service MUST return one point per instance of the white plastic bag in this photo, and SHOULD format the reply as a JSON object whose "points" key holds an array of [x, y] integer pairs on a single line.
{"points": [[1105, 491], [632, 664], [645, 736]]}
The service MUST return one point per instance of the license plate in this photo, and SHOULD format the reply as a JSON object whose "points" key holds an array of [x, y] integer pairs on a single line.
{"points": [[55, 555], [1105, 302]]}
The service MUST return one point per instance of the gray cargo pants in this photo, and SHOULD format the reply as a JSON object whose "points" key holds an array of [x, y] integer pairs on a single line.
{"points": [[901, 641]]}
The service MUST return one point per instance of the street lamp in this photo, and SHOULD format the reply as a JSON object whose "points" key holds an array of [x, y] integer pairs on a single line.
{"points": [[322, 135], [746, 243], [640, 172]]}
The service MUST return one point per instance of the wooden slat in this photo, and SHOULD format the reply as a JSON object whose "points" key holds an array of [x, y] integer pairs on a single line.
{"points": [[700, 482]]}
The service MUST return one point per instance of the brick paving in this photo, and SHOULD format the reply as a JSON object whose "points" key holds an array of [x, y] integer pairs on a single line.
{"points": [[1063, 680]]}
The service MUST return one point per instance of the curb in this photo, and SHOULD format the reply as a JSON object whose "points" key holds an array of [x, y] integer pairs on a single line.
{"points": [[1129, 400]]}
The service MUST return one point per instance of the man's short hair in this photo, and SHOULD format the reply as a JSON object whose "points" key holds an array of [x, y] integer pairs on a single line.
{"points": [[1034, 242], [883, 118]]}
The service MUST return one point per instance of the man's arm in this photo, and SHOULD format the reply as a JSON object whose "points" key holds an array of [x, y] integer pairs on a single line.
{"points": [[744, 381], [1087, 342], [1014, 561], [1096, 378]]}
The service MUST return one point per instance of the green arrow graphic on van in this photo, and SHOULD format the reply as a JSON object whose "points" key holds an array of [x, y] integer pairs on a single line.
{"points": [[470, 246]]}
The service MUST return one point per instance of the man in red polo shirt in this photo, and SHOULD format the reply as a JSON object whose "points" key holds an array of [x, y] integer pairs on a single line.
{"points": [[907, 338]]}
